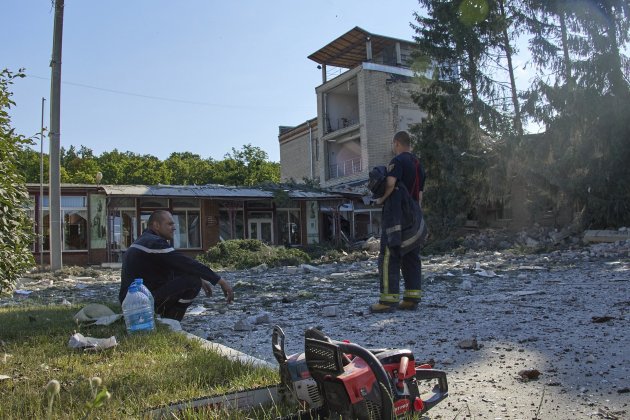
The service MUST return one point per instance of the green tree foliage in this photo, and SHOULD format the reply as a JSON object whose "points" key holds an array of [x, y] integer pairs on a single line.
{"points": [[455, 159], [188, 168], [30, 165], [458, 136], [80, 167], [460, 40], [120, 168], [247, 253], [246, 167], [582, 96], [15, 225]]}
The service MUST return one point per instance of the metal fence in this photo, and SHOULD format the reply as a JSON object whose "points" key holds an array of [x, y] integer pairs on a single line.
{"points": [[345, 168]]}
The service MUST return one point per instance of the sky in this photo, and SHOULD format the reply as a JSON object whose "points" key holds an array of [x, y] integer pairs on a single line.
{"points": [[201, 76]]}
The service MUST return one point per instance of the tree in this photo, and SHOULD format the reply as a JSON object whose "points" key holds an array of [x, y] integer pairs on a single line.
{"points": [[451, 149], [246, 167], [582, 97], [29, 165], [462, 126], [15, 225], [80, 167], [187, 168], [460, 40], [120, 168]]}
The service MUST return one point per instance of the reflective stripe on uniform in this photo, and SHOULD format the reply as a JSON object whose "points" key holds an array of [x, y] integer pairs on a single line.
{"points": [[413, 293], [152, 251], [415, 237], [185, 300], [388, 298], [395, 228], [385, 271]]}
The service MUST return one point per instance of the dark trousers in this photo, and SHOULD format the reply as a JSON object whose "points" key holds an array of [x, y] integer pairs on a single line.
{"points": [[390, 264], [175, 296]]}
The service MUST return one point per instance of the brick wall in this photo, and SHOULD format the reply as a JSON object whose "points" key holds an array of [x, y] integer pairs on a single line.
{"points": [[385, 106], [295, 162]]}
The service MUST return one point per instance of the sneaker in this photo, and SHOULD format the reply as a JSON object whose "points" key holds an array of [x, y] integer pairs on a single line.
{"points": [[379, 308], [407, 305]]}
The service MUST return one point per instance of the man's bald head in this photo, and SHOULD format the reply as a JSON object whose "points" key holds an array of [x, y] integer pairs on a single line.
{"points": [[162, 223]]}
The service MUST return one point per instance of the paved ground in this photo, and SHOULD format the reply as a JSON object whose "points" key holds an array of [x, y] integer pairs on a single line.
{"points": [[564, 314]]}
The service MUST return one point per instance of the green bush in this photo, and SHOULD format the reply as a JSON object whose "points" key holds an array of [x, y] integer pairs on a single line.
{"points": [[247, 253], [15, 224]]}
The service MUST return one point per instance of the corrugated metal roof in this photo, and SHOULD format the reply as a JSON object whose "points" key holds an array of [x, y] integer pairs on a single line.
{"points": [[208, 191]]}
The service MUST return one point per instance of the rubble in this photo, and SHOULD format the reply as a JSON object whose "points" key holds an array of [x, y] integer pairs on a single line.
{"points": [[563, 312]]}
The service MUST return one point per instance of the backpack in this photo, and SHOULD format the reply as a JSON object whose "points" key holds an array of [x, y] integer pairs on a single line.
{"points": [[377, 181]]}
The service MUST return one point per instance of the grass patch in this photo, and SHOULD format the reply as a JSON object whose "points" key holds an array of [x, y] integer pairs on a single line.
{"points": [[143, 371]]}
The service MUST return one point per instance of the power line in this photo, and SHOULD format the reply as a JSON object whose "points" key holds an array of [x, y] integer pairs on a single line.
{"points": [[158, 98]]}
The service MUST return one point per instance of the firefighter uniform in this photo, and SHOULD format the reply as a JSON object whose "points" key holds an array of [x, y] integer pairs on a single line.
{"points": [[172, 277], [408, 170]]}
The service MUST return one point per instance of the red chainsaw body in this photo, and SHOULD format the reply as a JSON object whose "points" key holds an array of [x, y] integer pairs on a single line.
{"points": [[366, 384]]}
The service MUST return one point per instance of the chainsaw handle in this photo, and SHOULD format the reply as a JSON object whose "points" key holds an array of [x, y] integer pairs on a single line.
{"points": [[402, 371], [387, 394], [442, 386], [277, 345]]}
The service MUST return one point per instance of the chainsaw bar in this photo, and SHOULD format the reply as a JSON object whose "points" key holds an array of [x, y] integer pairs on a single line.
{"points": [[242, 400]]}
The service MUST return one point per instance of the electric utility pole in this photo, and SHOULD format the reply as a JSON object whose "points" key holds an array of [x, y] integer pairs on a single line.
{"points": [[54, 190]]}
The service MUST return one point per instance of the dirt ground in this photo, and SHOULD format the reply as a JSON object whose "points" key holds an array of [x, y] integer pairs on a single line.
{"points": [[489, 319]]}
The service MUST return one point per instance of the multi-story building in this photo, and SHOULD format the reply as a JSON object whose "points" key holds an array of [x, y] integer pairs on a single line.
{"points": [[358, 110], [365, 97]]}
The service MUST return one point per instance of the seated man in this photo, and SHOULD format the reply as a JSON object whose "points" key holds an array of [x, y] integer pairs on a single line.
{"points": [[173, 278]]}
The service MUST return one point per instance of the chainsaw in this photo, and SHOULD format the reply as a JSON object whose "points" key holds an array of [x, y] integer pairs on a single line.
{"points": [[335, 379]]}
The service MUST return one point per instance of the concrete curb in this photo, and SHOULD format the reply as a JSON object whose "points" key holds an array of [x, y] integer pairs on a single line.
{"points": [[227, 352]]}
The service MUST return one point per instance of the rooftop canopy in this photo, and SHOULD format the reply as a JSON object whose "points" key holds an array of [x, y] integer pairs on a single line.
{"points": [[349, 50]]}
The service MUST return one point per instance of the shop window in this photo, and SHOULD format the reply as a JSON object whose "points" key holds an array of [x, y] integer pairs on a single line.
{"points": [[187, 229], [260, 226], [289, 226], [74, 230], [367, 223], [231, 224], [123, 228], [74, 219], [98, 221], [46, 230]]}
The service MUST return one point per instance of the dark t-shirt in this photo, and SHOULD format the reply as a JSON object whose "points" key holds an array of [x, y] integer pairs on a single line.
{"points": [[405, 167]]}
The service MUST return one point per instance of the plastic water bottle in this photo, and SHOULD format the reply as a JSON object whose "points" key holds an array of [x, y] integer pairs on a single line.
{"points": [[137, 311], [144, 289]]}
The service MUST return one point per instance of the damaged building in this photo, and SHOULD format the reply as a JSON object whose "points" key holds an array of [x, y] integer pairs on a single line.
{"points": [[99, 222], [364, 99]]}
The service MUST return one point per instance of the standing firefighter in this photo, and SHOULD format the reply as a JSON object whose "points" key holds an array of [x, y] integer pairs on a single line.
{"points": [[403, 229]]}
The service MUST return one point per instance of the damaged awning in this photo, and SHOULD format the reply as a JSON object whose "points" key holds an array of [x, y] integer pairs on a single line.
{"points": [[349, 50], [210, 191]]}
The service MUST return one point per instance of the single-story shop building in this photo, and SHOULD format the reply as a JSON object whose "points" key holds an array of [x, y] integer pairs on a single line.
{"points": [[99, 222]]}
